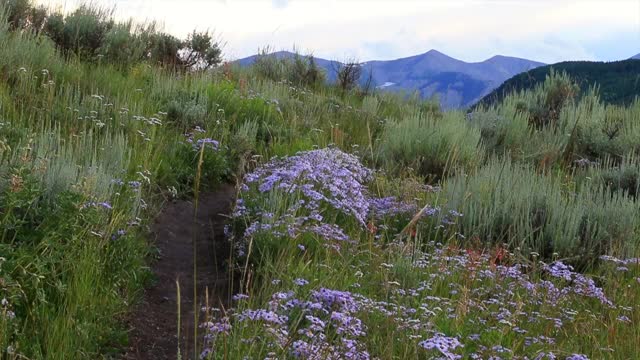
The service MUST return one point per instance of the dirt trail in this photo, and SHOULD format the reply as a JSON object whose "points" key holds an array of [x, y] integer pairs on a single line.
{"points": [[154, 323]]}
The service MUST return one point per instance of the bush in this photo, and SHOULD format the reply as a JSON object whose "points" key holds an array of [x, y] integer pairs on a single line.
{"points": [[17, 13], [91, 33], [82, 32], [608, 132], [560, 131], [618, 176], [510, 203], [164, 49], [186, 114], [348, 74], [268, 66], [123, 46], [431, 145], [305, 72], [200, 52], [298, 70], [556, 92]]}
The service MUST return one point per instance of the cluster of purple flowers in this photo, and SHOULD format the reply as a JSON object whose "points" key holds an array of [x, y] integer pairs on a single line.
{"points": [[94, 204], [320, 177], [580, 284], [482, 291], [5, 310], [134, 184], [199, 143], [624, 262], [206, 143], [443, 344], [266, 316], [213, 330], [301, 225], [390, 206], [507, 296], [324, 326], [325, 181], [118, 234], [323, 323]]}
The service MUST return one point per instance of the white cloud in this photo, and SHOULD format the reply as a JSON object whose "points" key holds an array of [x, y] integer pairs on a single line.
{"points": [[545, 30], [280, 4]]}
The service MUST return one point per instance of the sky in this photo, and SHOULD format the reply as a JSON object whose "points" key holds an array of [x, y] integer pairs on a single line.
{"points": [[471, 30]]}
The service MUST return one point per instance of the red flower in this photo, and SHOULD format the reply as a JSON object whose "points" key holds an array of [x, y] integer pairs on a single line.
{"points": [[372, 227]]}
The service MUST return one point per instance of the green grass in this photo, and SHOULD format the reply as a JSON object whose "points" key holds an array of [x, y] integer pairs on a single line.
{"points": [[457, 287], [432, 145], [507, 203]]}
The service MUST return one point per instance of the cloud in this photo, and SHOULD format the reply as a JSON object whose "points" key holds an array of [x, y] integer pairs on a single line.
{"points": [[280, 4], [471, 30]]}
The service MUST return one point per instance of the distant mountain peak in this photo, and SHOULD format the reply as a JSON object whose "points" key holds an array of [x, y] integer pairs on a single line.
{"points": [[497, 57], [637, 57], [434, 52], [502, 58], [456, 82]]}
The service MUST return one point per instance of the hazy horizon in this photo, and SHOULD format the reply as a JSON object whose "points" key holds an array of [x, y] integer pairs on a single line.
{"points": [[469, 30]]}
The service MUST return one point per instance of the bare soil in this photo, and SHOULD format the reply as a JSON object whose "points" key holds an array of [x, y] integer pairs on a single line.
{"points": [[154, 324]]}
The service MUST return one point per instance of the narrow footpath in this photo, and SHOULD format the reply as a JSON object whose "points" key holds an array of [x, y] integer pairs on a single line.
{"points": [[154, 324]]}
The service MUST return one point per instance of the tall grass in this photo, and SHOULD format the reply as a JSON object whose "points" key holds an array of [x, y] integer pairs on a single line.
{"points": [[433, 145], [620, 176], [584, 128], [394, 295], [84, 153], [509, 203]]}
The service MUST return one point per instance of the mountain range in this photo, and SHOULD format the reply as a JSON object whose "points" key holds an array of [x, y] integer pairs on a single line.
{"points": [[457, 84]]}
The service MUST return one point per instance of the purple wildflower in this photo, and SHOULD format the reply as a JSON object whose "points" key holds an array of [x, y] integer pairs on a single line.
{"points": [[577, 357], [262, 315], [206, 143], [238, 297], [103, 204], [118, 234], [624, 318], [444, 344], [326, 176], [390, 206]]}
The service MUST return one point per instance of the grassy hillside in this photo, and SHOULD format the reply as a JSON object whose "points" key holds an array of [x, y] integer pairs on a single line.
{"points": [[617, 82], [367, 225]]}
